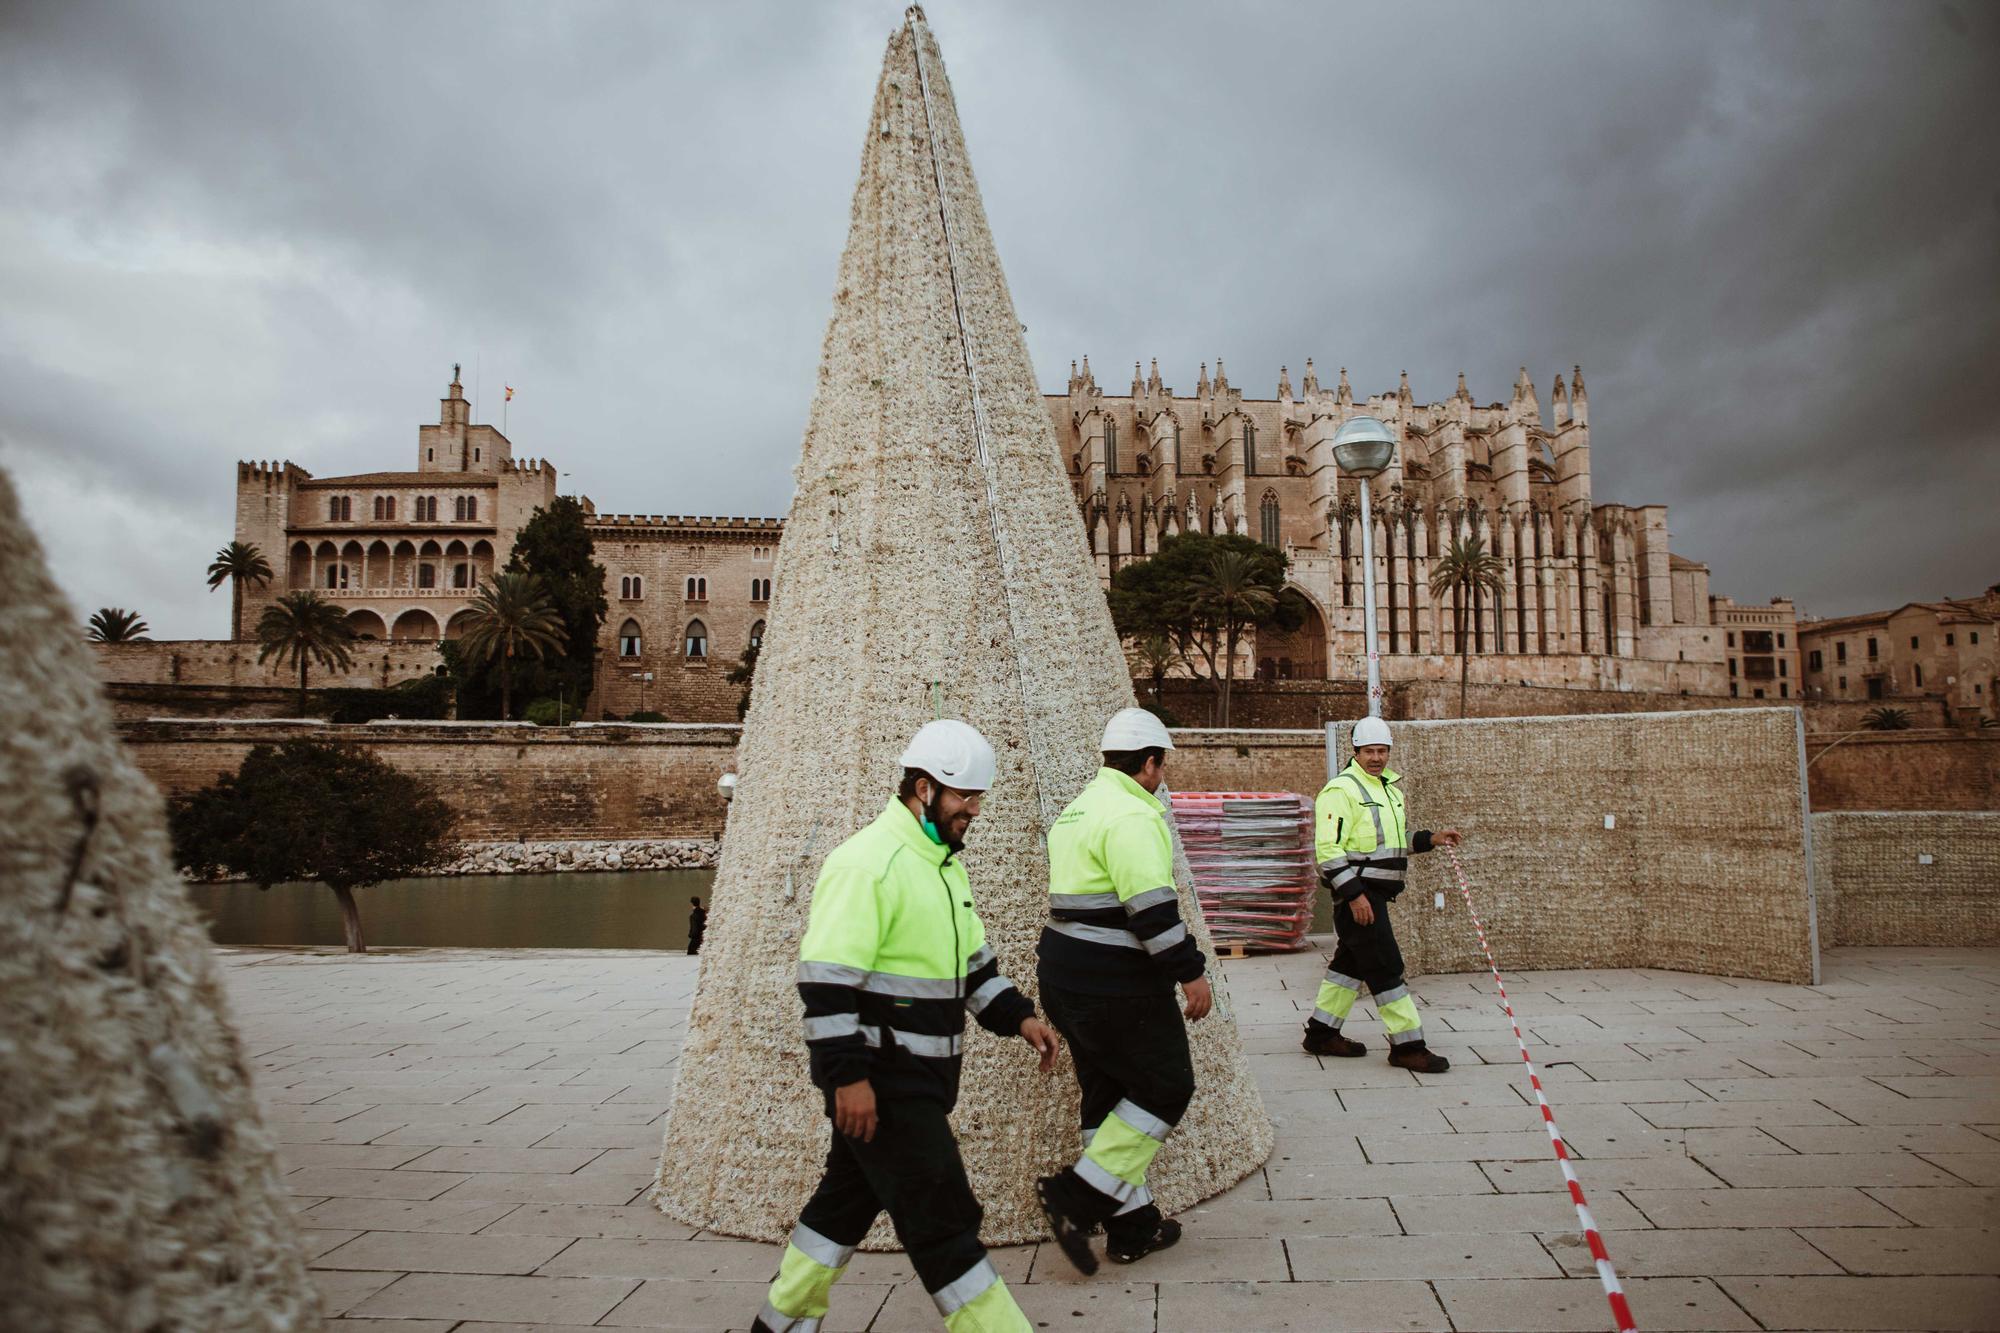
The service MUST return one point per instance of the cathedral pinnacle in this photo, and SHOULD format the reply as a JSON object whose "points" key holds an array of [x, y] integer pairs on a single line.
{"points": [[1284, 382]]}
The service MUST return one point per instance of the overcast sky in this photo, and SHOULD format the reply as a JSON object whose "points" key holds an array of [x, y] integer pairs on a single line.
{"points": [[1770, 233]]}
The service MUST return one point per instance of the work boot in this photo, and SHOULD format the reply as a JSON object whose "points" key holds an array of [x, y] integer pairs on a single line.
{"points": [[1323, 1040], [1419, 1057], [1131, 1249], [1070, 1232]]}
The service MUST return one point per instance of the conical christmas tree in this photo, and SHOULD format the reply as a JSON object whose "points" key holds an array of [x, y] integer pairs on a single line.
{"points": [[932, 562], [137, 1186]]}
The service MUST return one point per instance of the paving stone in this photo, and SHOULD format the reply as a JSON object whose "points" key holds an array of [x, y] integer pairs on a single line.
{"points": [[635, 1221], [722, 1260], [317, 1241], [1889, 1109], [1456, 1147], [352, 1183], [554, 1161], [1602, 1174], [1307, 1307], [1417, 1258], [498, 1187], [1940, 1304], [1761, 1250], [1015, 1263], [366, 1156], [1236, 1214], [1376, 1181], [1518, 1213], [1531, 1306], [1967, 1206], [1942, 1250], [443, 1252], [402, 1215], [1925, 1139], [550, 1300], [1751, 1115], [685, 1306], [1828, 1169], [438, 1134], [1972, 1168], [1762, 1208], [341, 1292]]}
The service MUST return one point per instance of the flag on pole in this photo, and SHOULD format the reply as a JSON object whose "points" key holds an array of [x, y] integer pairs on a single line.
{"points": [[510, 392]]}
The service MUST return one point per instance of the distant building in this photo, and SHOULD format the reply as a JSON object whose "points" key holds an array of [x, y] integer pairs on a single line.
{"points": [[1761, 647], [404, 554], [1941, 650], [1593, 597]]}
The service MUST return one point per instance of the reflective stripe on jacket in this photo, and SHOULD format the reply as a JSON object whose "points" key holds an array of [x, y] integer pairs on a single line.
{"points": [[893, 956], [1115, 922], [1361, 834]]}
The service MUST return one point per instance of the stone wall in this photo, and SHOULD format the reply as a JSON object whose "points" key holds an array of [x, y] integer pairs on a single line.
{"points": [[1906, 770], [1669, 885], [1907, 879], [508, 782], [223, 662]]}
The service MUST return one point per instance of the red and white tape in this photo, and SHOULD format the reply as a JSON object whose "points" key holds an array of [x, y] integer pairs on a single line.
{"points": [[1621, 1310]]}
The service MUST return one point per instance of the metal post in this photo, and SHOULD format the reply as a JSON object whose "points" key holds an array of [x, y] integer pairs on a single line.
{"points": [[1368, 603]]}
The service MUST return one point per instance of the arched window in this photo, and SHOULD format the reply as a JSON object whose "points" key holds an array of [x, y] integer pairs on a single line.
{"points": [[632, 587], [1110, 447], [1250, 449], [1267, 517], [461, 575], [760, 590], [628, 639], [697, 640], [427, 509], [697, 588], [472, 506], [339, 508], [757, 635]]}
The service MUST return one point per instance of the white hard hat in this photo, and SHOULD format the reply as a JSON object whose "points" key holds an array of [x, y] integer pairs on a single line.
{"points": [[1134, 729], [953, 753], [1371, 731]]}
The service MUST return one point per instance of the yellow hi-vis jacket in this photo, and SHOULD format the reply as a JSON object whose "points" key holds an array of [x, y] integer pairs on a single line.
{"points": [[1361, 836], [1115, 923], [893, 956]]}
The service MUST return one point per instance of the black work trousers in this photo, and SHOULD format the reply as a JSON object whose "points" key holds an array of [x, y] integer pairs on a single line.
{"points": [[1368, 953], [913, 1170], [1126, 1048]]}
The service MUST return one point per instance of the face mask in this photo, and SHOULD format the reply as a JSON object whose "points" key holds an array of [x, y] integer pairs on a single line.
{"points": [[929, 822]]}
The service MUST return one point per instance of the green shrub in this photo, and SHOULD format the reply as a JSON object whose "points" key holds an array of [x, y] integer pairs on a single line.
{"points": [[549, 713], [647, 716], [423, 697]]}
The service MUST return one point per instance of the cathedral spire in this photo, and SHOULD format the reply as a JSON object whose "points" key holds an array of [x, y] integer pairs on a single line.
{"points": [[1311, 381], [1201, 384], [1284, 382], [1403, 389], [1463, 393], [1344, 393]]}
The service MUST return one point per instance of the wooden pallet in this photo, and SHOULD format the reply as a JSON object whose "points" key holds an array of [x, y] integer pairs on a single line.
{"points": [[1232, 951]]}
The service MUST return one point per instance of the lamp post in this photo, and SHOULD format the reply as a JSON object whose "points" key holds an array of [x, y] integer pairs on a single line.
{"points": [[1362, 447]]}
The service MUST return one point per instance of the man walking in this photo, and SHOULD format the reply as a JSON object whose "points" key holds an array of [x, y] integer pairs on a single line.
{"points": [[1114, 946], [893, 957], [1363, 845]]}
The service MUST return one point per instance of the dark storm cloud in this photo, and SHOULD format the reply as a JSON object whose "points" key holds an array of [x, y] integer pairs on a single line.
{"points": [[1770, 233]]}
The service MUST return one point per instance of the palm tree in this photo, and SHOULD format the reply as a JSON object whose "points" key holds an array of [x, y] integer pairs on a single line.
{"points": [[114, 624], [1466, 571], [1156, 654], [300, 628], [1887, 719], [1234, 598], [512, 614], [240, 563]]}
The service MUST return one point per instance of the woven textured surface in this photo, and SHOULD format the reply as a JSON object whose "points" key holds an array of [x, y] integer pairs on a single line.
{"points": [[137, 1187], [890, 578], [1703, 870], [1875, 888]]}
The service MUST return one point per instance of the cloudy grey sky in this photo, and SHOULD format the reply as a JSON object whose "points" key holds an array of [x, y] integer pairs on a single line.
{"points": [[1770, 232]]}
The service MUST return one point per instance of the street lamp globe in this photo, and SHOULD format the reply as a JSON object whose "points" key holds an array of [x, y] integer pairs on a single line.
{"points": [[1363, 446]]}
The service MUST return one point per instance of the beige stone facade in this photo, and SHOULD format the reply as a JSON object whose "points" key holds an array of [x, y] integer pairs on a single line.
{"points": [[1921, 651], [1761, 647], [1594, 598], [403, 552]]}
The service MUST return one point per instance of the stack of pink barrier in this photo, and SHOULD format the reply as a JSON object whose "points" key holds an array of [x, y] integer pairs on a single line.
{"points": [[1251, 852]]}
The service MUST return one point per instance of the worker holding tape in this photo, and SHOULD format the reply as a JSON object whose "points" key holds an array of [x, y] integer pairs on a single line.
{"points": [[1112, 951], [893, 958], [1363, 845]]}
